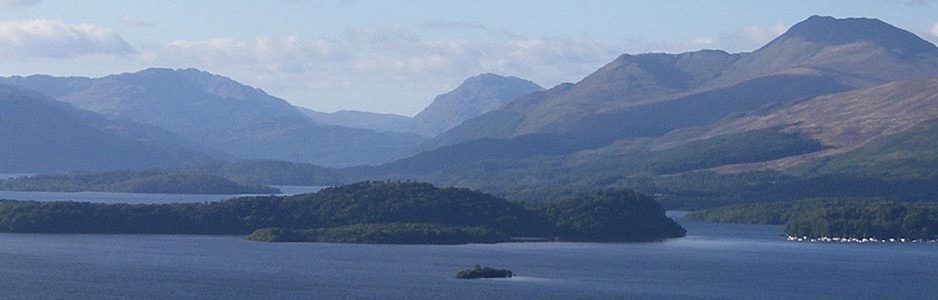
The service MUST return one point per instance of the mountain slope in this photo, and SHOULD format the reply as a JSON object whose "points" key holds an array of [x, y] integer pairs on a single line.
{"points": [[223, 114], [844, 121], [627, 81], [39, 134]]}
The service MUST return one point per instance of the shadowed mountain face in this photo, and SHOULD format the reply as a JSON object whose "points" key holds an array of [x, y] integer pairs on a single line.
{"points": [[223, 114], [39, 134]]}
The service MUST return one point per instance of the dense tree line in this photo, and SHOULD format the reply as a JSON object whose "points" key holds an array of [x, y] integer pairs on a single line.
{"points": [[611, 215], [836, 218], [603, 216], [391, 233]]}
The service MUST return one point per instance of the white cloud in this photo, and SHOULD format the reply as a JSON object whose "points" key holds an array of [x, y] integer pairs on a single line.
{"points": [[352, 67], [750, 37], [934, 29], [56, 39], [287, 54], [744, 39], [14, 3]]}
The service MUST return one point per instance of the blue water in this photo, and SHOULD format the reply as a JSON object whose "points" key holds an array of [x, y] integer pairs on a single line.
{"points": [[715, 261], [134, 198]]}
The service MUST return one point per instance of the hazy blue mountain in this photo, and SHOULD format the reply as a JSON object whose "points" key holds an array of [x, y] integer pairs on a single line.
{"points": [[474, 97], [39, 134], [223, 114], [360, 119]]}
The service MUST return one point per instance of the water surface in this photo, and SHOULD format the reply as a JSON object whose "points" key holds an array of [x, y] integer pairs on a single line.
{"points": [[139, 198], [715, 261]]}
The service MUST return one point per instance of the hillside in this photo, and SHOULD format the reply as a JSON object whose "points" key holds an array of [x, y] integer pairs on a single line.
{"points": [[844, 121], [39, 134], [848, 144]]}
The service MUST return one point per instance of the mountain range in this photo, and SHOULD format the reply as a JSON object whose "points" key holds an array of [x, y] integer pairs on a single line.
{"points": [[222, 115], [832, 107], [818, 106]]}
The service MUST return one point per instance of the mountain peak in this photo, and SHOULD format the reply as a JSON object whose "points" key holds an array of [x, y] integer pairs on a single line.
{"points": [[473, 97], [834, 31], [190, 78], [494, 79]]}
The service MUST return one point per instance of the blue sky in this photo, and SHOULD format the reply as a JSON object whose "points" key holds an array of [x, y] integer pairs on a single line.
{"points": [[394, 56]]}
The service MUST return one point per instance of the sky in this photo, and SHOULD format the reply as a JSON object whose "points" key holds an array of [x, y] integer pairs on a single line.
{"points": [[395, 56]]}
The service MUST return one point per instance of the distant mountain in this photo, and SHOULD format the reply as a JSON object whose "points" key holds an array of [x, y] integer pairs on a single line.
{"points": [[474, 97], [39, 134], [360, 119], [223, 114]]}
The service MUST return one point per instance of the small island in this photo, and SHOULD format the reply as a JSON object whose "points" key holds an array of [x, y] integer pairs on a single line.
{"points": [[837, 220], [364, 212], [478, 272]]}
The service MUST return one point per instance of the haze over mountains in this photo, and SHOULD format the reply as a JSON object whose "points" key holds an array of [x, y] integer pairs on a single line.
{"points": [[474, 97], [39, 134], [830, 100], [222, 114]]}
